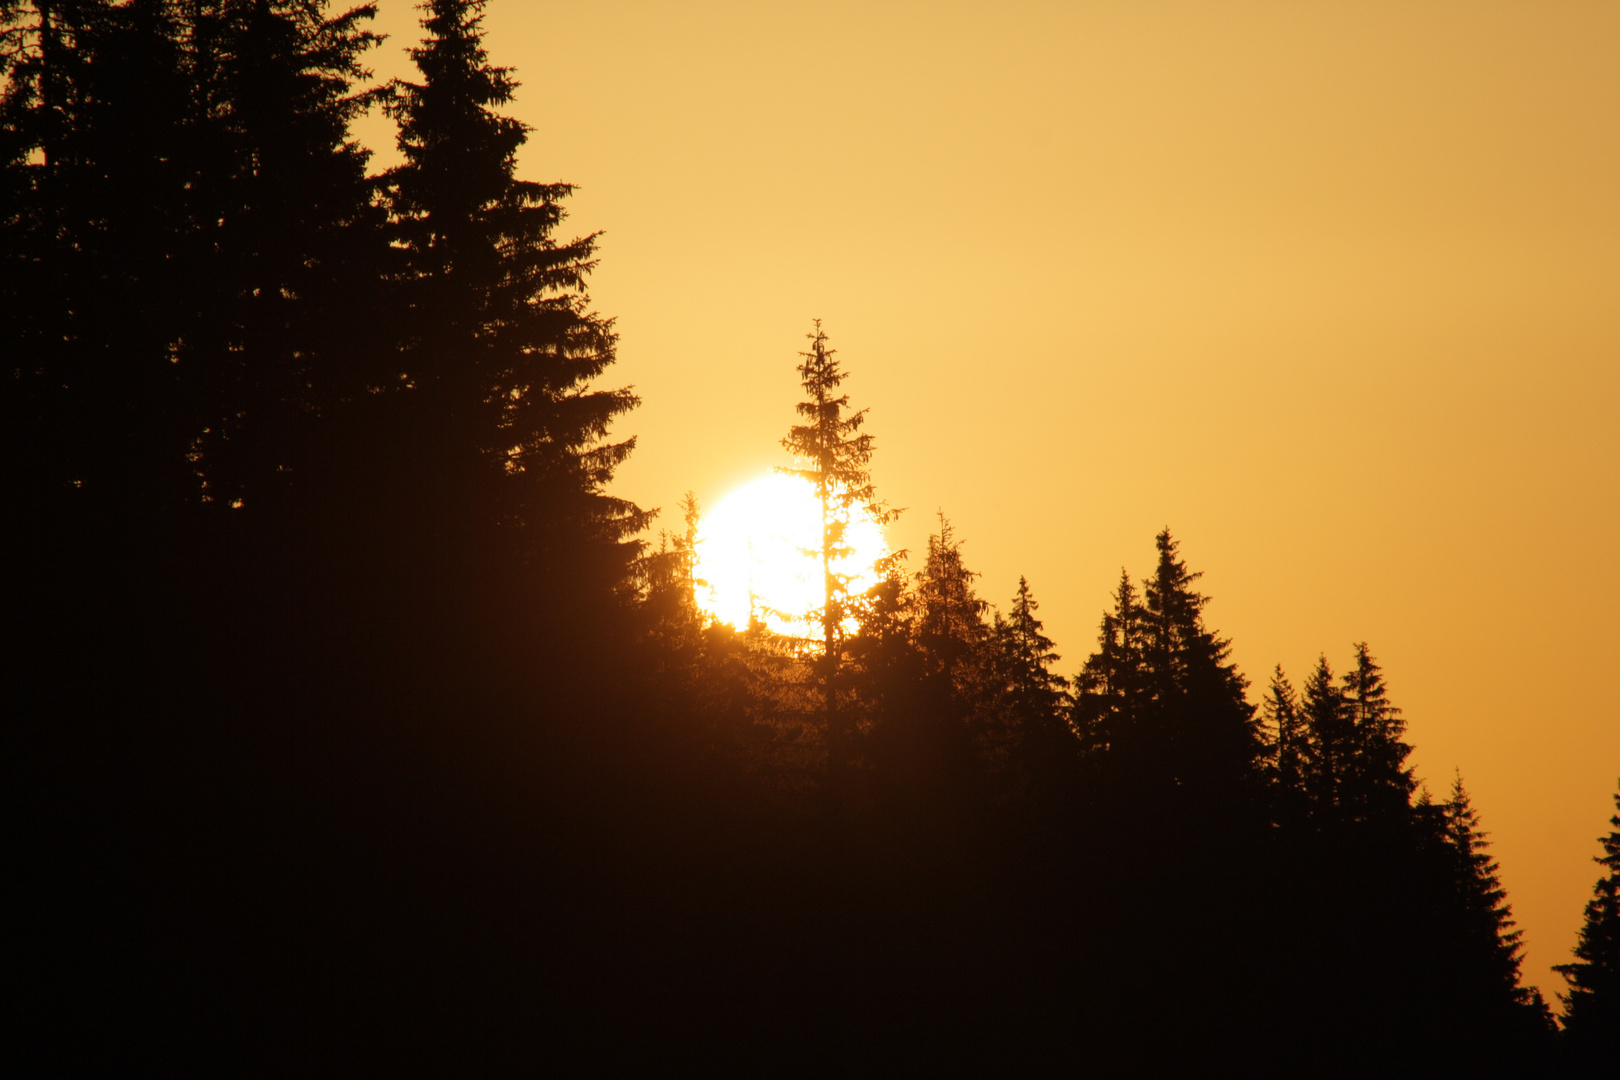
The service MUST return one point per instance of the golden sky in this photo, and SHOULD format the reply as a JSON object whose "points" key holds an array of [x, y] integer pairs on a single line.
{"points": [[1330, 289]]}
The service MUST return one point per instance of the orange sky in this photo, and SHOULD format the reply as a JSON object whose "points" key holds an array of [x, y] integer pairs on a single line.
{"points": [[1332, 290]]}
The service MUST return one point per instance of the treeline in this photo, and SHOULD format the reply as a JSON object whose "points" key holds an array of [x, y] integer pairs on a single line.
{"points": [[358, 731]]}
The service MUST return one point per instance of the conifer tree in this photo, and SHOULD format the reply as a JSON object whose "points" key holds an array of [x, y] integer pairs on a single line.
{"points": [[293, 328], [1280, 715], [196, 250], [1489, 949], [1379, 784], [1037, 693], [1109, 689], [1592, 1005], [1199, 722], [500, 336], [1329, 740], [834, 456], [1036, 699], [951, 631]]}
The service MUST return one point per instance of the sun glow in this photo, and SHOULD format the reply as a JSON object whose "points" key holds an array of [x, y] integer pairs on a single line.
{"points": [[756, 556]]}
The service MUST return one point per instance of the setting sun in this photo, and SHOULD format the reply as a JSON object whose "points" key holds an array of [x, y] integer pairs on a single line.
{"points": [[755, 555]]}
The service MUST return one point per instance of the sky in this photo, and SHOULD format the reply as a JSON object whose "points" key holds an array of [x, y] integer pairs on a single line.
{"points": [[1332, 290]]}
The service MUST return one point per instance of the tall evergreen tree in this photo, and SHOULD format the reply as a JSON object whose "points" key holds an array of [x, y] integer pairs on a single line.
{"points": [[196, 249], [1592, 1005], [501, 343], [951, 629], [1488, 949], [834, 455]]}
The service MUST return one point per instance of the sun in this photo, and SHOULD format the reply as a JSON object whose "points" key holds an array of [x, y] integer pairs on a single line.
{"points": [[756, 556]]}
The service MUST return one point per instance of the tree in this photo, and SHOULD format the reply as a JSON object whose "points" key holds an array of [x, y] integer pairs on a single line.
{"points": [[1329, 740], [501, 345], [1199, 722], [194, 252], [1280, 715], [1036, 694], [950, 618], [1592, 1005], [1035, 705], [835, 458], [1109, 689], [1488, 997], [1379, 784]]}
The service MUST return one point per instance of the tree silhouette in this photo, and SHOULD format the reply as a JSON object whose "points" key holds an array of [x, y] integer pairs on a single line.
{"points": [[195, 252], [1380, 784], [835, 457], [499, 336], [1592, 1005], [1281, 717]]}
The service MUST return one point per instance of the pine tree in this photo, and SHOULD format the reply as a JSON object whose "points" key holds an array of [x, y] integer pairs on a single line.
{"points": [[951, 629], [671, 584], [1035, 703], [1037, 694], [1592, 1005], [1379, 784], [1488, 949], [294, 268], [835, 457], [1329, 745], [196, 249], [1198, 721], [1281, 717], [501, 345], [1109, 690]]}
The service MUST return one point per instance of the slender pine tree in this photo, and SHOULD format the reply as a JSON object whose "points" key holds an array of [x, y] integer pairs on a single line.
{"points": [[834, 455]]}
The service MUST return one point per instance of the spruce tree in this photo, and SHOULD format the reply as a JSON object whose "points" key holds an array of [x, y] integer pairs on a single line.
{"points": [[1380, 784], [1037, 694], [1199, 724], [195, 252], [1109, 690], [1592, 1005], [1329, 740], [1487, 998], [501, 344], [1282, 720], [951, 629], [1035, 704], [834, 455]]}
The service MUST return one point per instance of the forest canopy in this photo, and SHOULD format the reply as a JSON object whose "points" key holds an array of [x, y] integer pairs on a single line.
{"points": [[366, 725]]}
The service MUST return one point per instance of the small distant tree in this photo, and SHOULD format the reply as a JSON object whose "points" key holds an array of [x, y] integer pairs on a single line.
{"points": [[835, 456], [1200, 723], [1036, 693], [951, 629], [1285, 731], [1035, 706], [1329, 739], [1109, 690], [1381, 783], [1592, 1006]]}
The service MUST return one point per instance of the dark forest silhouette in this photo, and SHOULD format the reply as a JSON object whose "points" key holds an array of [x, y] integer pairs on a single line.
{"points": [[360, 730]]}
